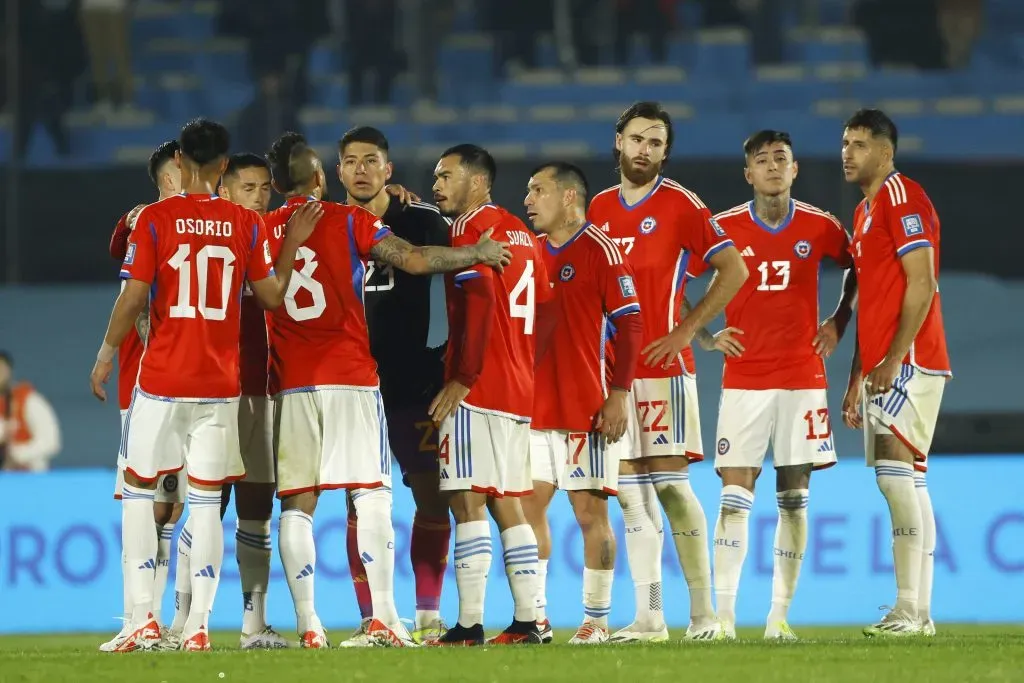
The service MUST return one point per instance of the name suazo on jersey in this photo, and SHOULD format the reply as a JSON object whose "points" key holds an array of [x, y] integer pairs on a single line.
{"points": [[196, 251], [319, 336], [592, 285], [777, 306], [505, 383], [900, 220], [659, 235]]}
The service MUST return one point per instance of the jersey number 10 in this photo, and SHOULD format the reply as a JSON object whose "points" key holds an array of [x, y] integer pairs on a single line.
{"points": [[180, 263]]}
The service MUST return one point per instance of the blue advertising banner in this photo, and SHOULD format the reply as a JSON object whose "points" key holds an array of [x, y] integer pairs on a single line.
{"points": [[60, 555]]}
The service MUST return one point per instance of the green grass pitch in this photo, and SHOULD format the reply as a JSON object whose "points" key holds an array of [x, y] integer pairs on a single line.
{"points": [[959, 654]]}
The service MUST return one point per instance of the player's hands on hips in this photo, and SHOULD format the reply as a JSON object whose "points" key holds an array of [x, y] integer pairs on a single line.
{"points": [[666, 349], [852, 416], [611, 420], [100, 376], [491, 253], [827, 338], [881, 378], [302, 222], [727, 341], [447, 401], [406, 197]]}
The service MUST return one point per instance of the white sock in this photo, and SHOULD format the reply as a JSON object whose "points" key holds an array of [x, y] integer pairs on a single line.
{"points": [[138, 538], [183, 577], [376, 539], [731, 547], [252, 551], [924, 590], [126, 587], [690, 533], [542, 589], [641, 515], [896, 482], [597, 595], [790, 544], [298, 556], [520, 546], [472, 563], [163, 565], [207, 556]]}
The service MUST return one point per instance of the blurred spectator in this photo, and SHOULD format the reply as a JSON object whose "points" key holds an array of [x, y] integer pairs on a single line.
{"points": [[901, 34], [425, 23], [371, 31], [106, 26], [516, 25], [960, 23], [655, 18], [46, 75], [29, 432], [270, 113]]}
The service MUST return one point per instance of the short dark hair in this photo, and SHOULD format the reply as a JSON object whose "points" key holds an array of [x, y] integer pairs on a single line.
{"points": [[243, 160], [160, 156], [6, 357], [204, 141], [475, 158], [876, 122], [284, 158], [762, 138], [567, 175], [366, 134], [646, 110]]}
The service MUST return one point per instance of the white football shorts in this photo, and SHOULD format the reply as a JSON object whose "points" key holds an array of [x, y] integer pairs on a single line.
{"points": [[795, 423], [575, 461], [909, 411], [330, 438], [484, 452]]}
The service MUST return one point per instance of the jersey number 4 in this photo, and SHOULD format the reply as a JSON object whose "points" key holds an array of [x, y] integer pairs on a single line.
{"points": [[180, 262], [524, 289]]}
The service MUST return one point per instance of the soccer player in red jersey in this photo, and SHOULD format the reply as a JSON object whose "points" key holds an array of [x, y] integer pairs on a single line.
{"points": [[901, 365], [330, 431], [579, 418], [485, 407], [169, 498], [662, 226], [774, 385], [193, 251], [399, 314]]}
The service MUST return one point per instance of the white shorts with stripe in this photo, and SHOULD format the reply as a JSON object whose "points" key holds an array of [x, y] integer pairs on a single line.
{"points": [[793, 422], [909, 411], [163, 435], [256, 438], [658, 422], [485, 452], [170, 487], [575, 461], [330, 438]]}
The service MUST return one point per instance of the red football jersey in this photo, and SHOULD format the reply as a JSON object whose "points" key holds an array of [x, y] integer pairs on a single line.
{"points": [[777, 306], [659, 235], [900, 220], [591, 284], [319, 338], [130, 352], [197, 250], [505, 384]]}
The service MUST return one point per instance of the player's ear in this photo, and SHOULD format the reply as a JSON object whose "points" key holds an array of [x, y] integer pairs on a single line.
{"points": [[796, 169], [389, 168], [177, 158], [746, 175], [222, 166], [222, 191], [618, 142]]}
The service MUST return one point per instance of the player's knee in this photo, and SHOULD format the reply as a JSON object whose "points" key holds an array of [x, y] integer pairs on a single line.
{"points": [[467, 506], [303, 502], [373, 506], [254, 501], [162, 513], [792, 477], [177, 510], [591, 512]]}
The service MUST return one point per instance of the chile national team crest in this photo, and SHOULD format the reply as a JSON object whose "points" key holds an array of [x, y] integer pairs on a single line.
{"points": [[648, 225], [566, 273], [802, 248]]}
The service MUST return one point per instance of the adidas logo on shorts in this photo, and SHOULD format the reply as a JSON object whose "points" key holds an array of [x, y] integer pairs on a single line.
{"points": [[577, 473], [662, 440]]}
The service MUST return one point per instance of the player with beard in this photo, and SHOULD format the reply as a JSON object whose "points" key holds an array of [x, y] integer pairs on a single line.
{"points": [[169, 499], [398, 311], [660, 226]]}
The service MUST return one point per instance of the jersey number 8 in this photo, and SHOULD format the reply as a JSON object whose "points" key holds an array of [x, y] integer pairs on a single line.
{"points": [[303, 279]]}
